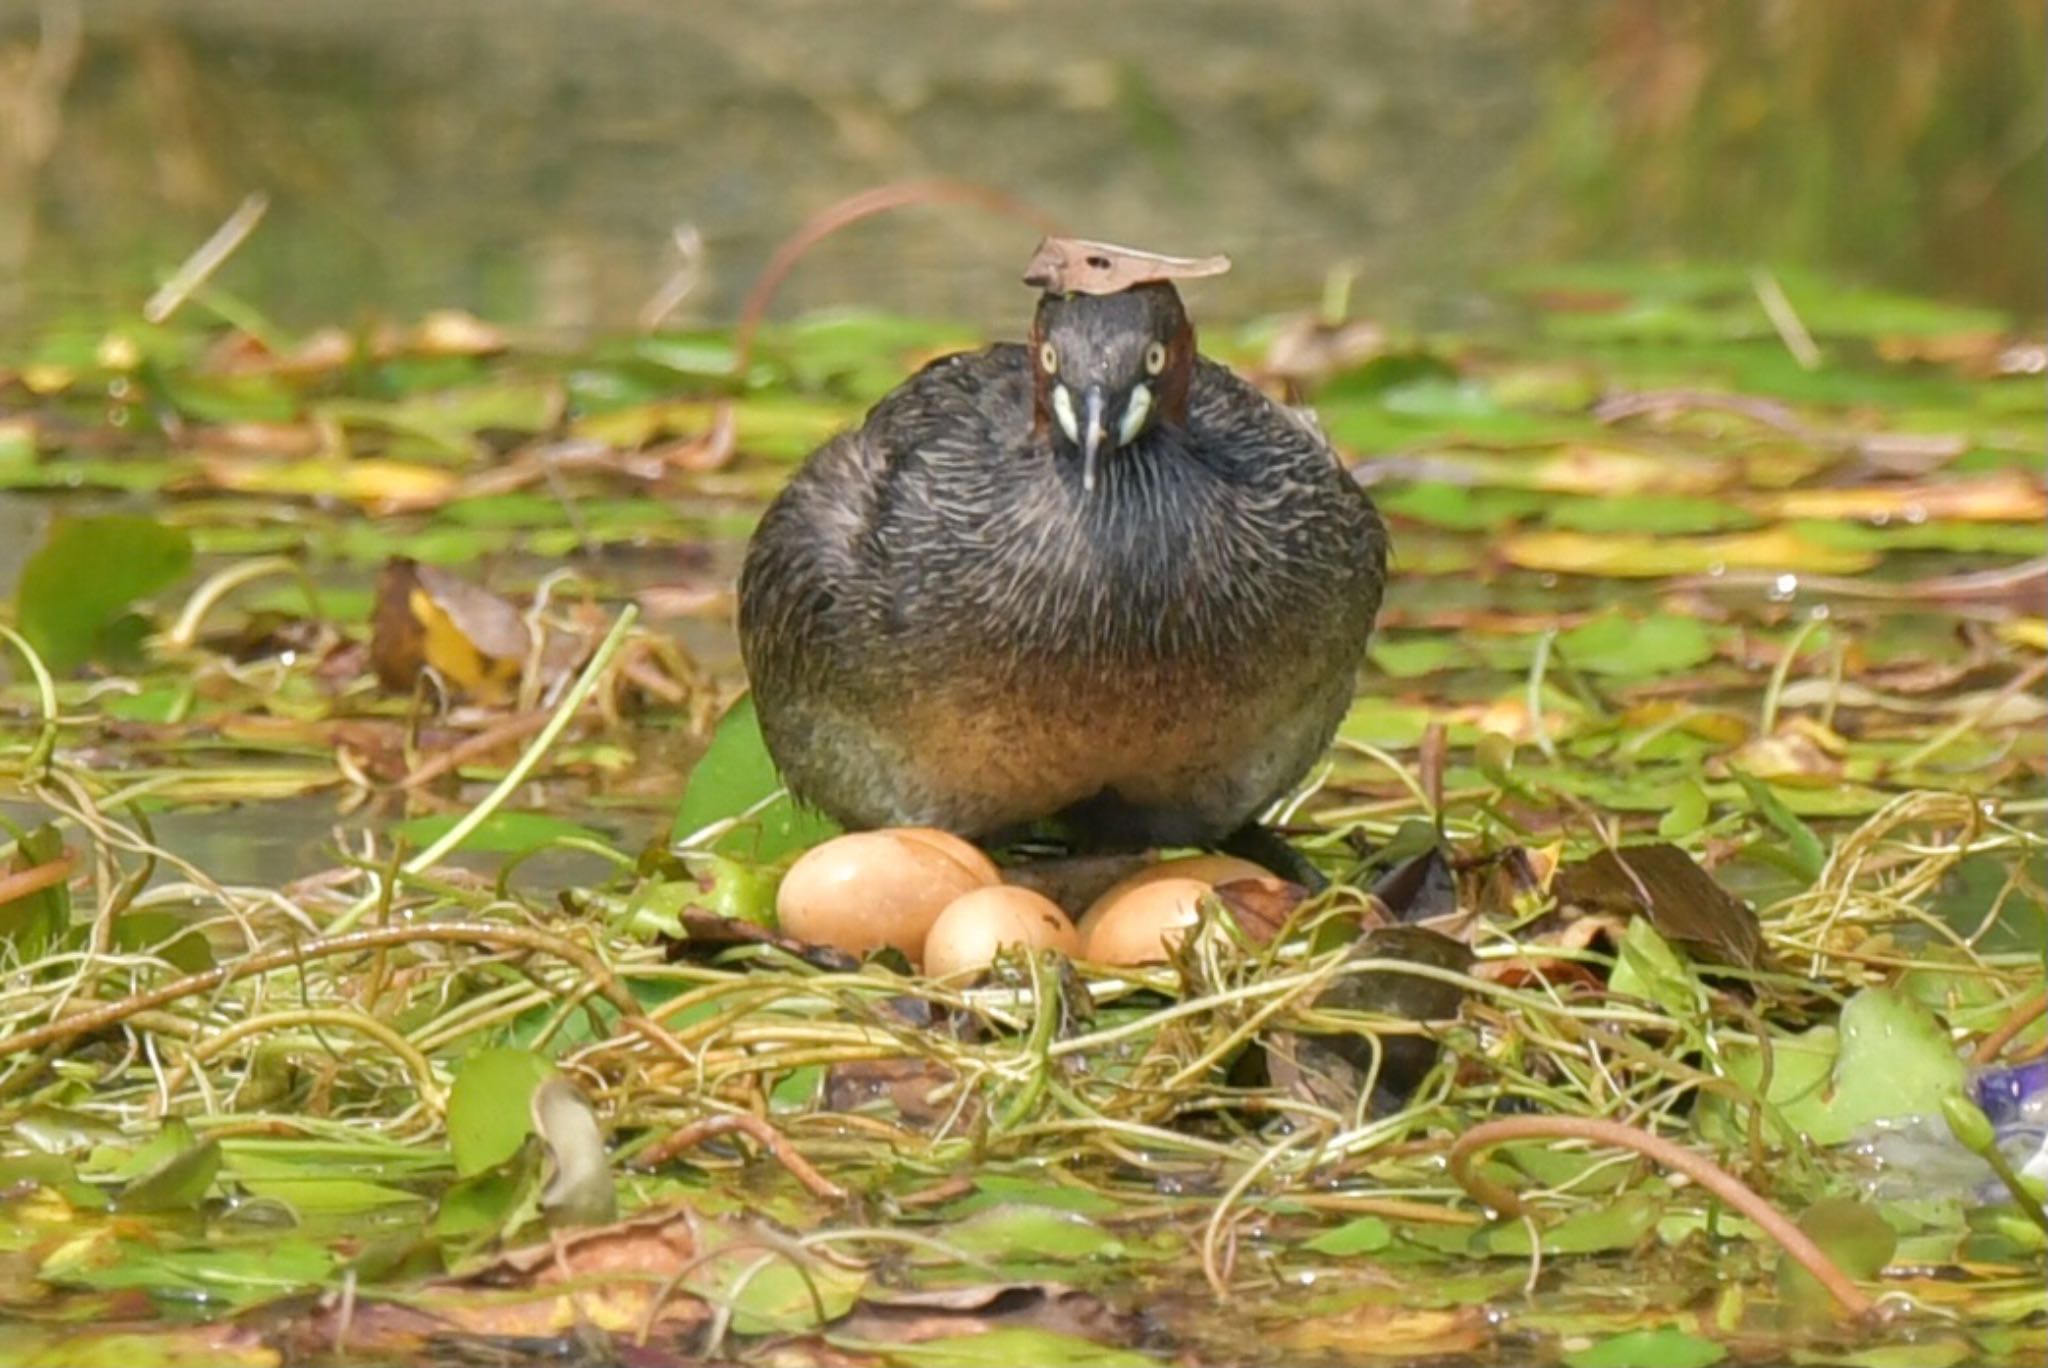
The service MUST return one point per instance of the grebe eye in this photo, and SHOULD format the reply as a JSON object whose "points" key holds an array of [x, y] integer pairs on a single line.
{"points": [[1048, 359], [1155, 358]]}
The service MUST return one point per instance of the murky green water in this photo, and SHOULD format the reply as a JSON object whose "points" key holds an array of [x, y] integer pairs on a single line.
{"points": [[532, 159]]}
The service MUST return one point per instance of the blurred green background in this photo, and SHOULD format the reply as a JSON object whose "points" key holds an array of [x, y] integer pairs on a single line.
{"points": [[530, 159]]}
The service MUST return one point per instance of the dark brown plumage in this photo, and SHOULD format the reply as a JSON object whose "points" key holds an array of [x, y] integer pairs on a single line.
{"points": [[1139, 608]]}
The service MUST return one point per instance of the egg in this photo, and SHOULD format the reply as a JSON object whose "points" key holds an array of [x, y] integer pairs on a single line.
{"points": [[975, 926], [1209, 869], [871, 889], [966, 852], [1141, 925]]}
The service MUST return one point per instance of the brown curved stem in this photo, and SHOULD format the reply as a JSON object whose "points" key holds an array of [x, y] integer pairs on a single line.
{"points": [[853, 209], [1703, 1171], [2030, 1009], [36, 878], [774, 1141], [461, 933]]}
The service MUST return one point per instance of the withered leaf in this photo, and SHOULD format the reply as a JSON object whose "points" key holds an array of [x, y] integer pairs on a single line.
{"points": [[920, 1092], [1333, 1069], [579, 1187], [908, 1317], [474, 640], [1078, 266], [1261, 907], [707, 933], [1682, 901], [1421, 888]]}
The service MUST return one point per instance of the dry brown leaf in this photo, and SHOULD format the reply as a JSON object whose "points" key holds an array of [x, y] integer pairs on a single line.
{"points": [[1078, 266], [454, 332], [1682, 902], [886, 1317]]}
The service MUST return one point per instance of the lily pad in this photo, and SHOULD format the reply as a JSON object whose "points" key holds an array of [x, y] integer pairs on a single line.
{"points": [[83, 578]]}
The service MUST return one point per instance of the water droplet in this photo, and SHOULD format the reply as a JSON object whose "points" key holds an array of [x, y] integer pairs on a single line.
{"points": [[1819, 612], [1880, 518], [1783, 589], [1914, 514], [1717, 570], [117, 388]]}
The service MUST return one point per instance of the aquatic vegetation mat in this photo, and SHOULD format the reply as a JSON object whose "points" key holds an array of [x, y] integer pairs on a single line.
{"points": [[376, 990]]}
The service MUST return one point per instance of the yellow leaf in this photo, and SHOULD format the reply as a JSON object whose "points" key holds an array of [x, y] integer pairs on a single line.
{"points": [[1791, 757], [642, 423], [452, 332], [1639, 557], [45, 378], [2006, 496], [448, 649], [2029, 631], [380, 485]]}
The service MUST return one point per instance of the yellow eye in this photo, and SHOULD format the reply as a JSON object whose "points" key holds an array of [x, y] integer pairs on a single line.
{"points": [[1048, 359], [1155, 358]]}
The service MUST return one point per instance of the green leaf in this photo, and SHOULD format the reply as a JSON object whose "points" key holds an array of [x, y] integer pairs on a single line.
{"points": [[1014, 1231], [1888, 1057], [1689, 812], [171, 938], [1664, 1347], [237, 1275], [1009, 1346], [479, 1204], [1411, 655], [489, 1108], [778, 1299], [1620, 644], [310, 1192], [1008, 1189], [180, 1181], [1619, 1224], [737, 774], [1849, 1232], [86, 574], [1649, 968], [1458, 507], [507, 833], [1658, 514], [1366, 1235], [1808, 855], [1896, 1060]]}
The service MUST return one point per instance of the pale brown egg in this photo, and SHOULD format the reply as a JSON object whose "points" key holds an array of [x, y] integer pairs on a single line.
{"points": [[965, 851], [1142, 924], [869, 889], [1209, 869], [975, 926]]}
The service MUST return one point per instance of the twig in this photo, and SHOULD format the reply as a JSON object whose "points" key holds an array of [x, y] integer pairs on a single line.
{"points": [[456, 933], [36, 878], [483, 743], [681, 282], [36, 767], [185, 630], [1703, 1171], [1785, 319], [2007, 581], [853, 209], [2030, 1010], [697, 1132], [212, 254]]}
